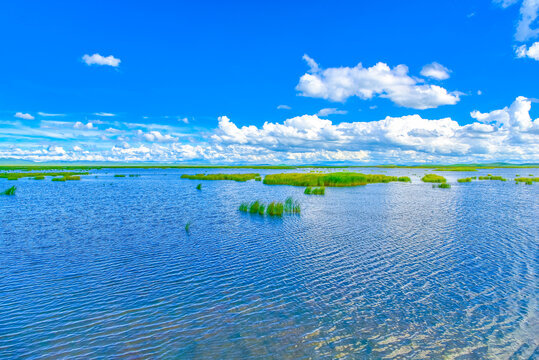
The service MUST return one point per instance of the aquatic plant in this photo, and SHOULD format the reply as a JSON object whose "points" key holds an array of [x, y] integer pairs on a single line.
{"points": [[253, 207], [336, 179], [258, 178], [292, 206], [19, 175], [275, 209], [308, 190], [465, 180], [490, 177], [59, 178], [529, 182], [40, 177], [72, 177], [527, 179], [119, 175], [10, 191], [235, 177], [433, 178], [261, 209], [244, 207], [134, 175], [444, 186], [199, 187], [404, 179], [188, 226]]}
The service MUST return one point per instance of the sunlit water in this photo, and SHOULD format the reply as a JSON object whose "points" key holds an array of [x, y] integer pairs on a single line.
{"points": [[103, 268]]}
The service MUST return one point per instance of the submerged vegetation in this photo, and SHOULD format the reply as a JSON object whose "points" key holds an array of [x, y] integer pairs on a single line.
{"points": [[490, 177], [235, 177], [274, 208], [335, 179], [433, 178], [315, 191], [10, 191]]}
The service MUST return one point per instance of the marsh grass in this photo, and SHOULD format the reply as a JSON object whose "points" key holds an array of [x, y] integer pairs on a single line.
{"points": [[10, 191], [235, 177], [119, 175], [291, 206], [275, 209], [19, 175], [315, 191], [433, 178], [254, 206], [258, 178], [40, 177], [490, 177], [336, 179], [59, 179], [72, 177], [188, 226], [244, 207], [261, 209], [444, 186], [308, 190], [465, 180], [134, 175], [199, 187], [527, 180]]}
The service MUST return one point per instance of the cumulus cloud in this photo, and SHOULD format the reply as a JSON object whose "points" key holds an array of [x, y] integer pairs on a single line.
{"points": [[517, 116], [80, 126], [339, 84], [531, 52], [435, 71], [529, 10], [283, 107], [156, 136], [331, 111], [97, 59], [24, 116]]}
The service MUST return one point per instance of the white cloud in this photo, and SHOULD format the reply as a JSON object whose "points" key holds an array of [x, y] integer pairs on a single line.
{"points": [[24, 116], [97, 59], [184, 120], [331, 111], [338, 84], [49, 115], [517, 116], [531, 52], [479, 92], [529, 11], [77, 148], [80, 126], [104, 114], [435, 71], [283, 107], [156, 136]]}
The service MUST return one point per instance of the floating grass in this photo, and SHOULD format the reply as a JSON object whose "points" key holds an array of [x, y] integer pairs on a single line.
{"points": [[308, 190], [336, 179], [465, 180], [199, 187], [72, 177], [235, 177], [444, 186], [527, 179], [433, 178], [119, 175], [134, 175], [491, 177], [10, 191]]}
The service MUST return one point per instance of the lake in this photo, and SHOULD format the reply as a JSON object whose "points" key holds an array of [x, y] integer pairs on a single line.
{"points": [[104, 267]]}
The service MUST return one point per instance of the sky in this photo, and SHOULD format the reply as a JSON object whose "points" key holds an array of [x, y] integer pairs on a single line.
{"points": [[280, 82]]}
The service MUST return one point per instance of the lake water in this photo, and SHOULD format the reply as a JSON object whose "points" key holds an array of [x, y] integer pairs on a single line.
{"points": [[103, 267]]}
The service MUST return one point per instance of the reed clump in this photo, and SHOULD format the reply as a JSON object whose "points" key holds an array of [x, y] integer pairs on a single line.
{"points": [[444, 186], [291, 206], [336, 179], [315, 191], [275, 209], [465, 180], [40, 177], [235, 177], [119, 175], [59, 178], [527, 180], [72, 177], [199, 187], [19, 175], [258, 178], [491, 177], [433, 178], [244, 207], [10, 191], [253, 208]]}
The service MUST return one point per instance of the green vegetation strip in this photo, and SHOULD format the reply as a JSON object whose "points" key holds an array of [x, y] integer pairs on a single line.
{"points": [[39, 175], [336, 179], [235, 177], [274, 208], [10, 191], [490, 177], [315, 191], [433, 178], [466, 180], [527, 180]]}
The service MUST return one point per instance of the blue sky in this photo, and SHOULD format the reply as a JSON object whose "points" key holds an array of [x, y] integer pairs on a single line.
{"points": [[273, 82]]}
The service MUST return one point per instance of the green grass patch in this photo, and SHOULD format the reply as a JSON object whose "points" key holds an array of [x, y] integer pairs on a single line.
{"points": [[433, 178], [465, 180], [119, 175], [315, 191], [275, 209], [199, 187], [188, 226], [10, 191], [244, 207], [291, 206], [62, 178], [40, 177], [336, 179], [235, 177], [491, 177], [253, 208], [527, 179], [258, 178], [455, 168], [444, 186], [19, 175], [261, 209]]}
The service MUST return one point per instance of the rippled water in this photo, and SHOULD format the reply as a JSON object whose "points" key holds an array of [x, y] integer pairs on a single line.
{"points": [[103, 267]]}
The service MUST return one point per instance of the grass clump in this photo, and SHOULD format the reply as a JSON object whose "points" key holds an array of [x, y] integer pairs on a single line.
{"points": [[404, 179], [10, 191], [258, 178], [119, 175], [59, 178], [527, 180], [465, 180], [72, 177], [244, 207], [19, 175], [433, 178], [308, 190], [199, 187], [275, 209], [490, 177], [188, 226], [235, 177], [315, 191], [261, 209], [444, 186], [134, 175], [253, 207], [39, 177], [291, 206], [336, 179]]}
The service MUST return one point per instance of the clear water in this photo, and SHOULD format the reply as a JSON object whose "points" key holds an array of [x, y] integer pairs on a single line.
{"points": [[103, 268]]}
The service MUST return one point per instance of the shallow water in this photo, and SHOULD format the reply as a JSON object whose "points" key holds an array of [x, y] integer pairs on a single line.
{"points": [[103, 267]]}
